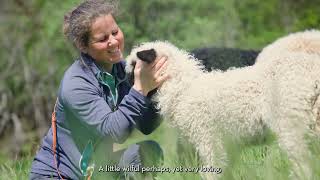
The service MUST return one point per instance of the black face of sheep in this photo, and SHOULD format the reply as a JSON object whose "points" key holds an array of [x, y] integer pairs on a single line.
{"points": [[147, 56]]}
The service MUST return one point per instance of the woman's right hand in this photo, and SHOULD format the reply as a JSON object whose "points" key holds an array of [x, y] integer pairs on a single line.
{"points": [[149, 76]]}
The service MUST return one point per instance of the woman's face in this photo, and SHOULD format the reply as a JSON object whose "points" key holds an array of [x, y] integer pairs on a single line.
{"points": [[106, 42]]}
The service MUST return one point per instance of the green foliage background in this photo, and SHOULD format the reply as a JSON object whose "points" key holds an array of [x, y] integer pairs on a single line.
{"points": [[34, 53]]}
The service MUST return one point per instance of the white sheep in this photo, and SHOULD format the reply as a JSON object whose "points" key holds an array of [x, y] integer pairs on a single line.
{"points": [[280, 92]]}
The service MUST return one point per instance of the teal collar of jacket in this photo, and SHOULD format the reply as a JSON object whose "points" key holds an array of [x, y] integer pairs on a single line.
{"points": [[111, 81]]}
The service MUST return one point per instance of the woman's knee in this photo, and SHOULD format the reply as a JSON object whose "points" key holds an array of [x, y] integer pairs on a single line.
{"points": [[151, 153]]}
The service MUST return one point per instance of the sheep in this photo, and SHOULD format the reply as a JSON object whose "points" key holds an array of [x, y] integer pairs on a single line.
{"points": [[279, 92], [224, 58]]}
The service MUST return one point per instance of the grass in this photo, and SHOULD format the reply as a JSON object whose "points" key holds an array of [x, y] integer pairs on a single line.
{"points": [[16, 169], [262, 161]]}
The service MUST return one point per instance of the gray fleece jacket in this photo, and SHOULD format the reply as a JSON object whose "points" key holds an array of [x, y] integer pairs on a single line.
{"points": [[84, 114]]}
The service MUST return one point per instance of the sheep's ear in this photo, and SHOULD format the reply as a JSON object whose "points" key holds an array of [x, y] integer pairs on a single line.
{"points": [[147, 55]]}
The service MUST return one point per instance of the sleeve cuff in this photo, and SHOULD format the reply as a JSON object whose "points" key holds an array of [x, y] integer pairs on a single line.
{"points": [[139, 97]]}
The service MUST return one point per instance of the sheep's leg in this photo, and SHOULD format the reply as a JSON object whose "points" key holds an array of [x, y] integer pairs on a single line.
{"points": [[214, 157], [294, 124], [291, 140]]}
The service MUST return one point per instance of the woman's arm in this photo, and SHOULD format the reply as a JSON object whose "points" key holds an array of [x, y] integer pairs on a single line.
{"points": [[82, 98], [151, 119]]}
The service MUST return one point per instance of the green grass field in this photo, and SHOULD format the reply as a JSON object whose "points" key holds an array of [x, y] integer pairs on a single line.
{"points": [[261, 160]]}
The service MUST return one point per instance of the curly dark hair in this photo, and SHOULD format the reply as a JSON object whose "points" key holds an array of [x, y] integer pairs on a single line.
{"points": [[77, 22]]}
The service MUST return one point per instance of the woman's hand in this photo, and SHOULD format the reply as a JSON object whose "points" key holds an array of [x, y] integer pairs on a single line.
{"points": [[149, 76]]}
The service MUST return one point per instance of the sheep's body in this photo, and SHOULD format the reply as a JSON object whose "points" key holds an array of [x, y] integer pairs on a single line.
{"points": [[281, 92]]}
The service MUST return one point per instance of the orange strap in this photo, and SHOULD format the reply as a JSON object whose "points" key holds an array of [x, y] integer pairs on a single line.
{"points": [[54, 141], [54, 137]]}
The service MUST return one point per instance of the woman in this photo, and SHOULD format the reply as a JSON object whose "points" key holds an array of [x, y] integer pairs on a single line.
{"points": [[95, 102]]}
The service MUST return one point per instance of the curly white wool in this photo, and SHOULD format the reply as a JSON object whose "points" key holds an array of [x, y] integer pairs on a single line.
{"points": [[281, 92]]}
